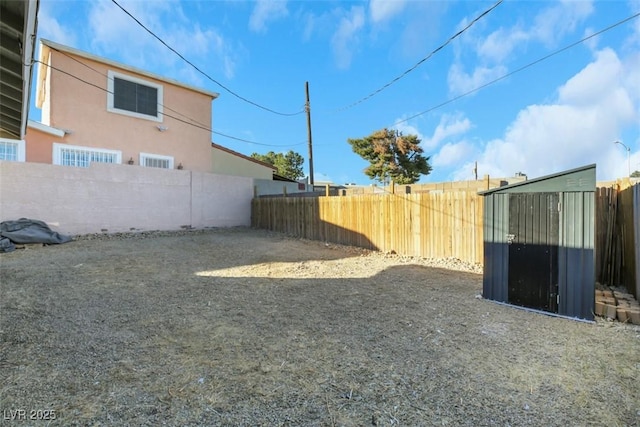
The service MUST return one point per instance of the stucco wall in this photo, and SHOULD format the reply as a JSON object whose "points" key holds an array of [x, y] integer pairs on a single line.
{"points": [[226, 163], [82, 109], [116, 198], [39, 145]]}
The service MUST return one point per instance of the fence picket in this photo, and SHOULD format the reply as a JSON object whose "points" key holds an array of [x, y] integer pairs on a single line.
{"points": [[423, 224], [440, 225]]}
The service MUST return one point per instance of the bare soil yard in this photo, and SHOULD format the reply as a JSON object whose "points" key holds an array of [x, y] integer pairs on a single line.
{"points": [[240, 327]]}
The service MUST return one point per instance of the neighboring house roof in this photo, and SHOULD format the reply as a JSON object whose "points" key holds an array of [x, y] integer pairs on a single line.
{"points": [[17, 41], [277, 177], [235, 153], [47, 44]]}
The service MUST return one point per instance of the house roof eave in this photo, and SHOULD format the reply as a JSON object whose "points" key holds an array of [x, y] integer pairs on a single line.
{"points": [[76, 52]]}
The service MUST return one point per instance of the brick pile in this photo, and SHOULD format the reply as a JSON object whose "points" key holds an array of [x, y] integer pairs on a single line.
{"points": [[617, 305]]}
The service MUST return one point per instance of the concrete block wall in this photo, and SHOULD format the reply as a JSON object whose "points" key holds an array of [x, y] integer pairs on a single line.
{"points": [[116, 198]]}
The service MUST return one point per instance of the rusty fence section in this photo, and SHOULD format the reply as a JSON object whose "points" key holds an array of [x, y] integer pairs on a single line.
{"points": [[429, 225]]}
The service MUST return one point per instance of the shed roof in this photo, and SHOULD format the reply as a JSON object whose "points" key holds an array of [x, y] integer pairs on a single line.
{"points": [[578, 179]]}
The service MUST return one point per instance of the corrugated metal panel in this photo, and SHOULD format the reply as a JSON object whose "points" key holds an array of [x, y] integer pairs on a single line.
{"points": [[533, 253], [576, 255], [496, 248]]}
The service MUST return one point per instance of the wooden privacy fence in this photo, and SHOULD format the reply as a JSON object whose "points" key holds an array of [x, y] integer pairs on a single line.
{"points": [[449, 224], [428, 225]]}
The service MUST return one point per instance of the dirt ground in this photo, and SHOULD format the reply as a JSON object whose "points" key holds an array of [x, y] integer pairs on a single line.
{"points": [[240, 327]]}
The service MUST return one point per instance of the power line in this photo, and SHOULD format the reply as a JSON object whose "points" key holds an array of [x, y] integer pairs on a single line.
{"points": [[202, 72], [111, 78], [442, 46], [192, 122], [504, 76]]}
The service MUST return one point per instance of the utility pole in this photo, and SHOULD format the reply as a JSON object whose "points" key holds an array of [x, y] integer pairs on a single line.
{"points": [[307, 108]]}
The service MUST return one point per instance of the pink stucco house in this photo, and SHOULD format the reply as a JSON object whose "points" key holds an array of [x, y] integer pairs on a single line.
{"points": [[97, 110]]}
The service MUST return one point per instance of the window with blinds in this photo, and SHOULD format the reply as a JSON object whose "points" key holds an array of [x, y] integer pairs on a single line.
{"points": [[133, 96]]}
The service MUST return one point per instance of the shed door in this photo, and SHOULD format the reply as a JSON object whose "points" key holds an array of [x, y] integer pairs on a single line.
{"points": [[534, 224]]}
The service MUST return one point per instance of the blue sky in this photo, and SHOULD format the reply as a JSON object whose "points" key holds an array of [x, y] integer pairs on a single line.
{"points": [[559, 113]]}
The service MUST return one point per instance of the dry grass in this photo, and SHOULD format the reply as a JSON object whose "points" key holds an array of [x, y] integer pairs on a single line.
{"points": [[243, 327]]}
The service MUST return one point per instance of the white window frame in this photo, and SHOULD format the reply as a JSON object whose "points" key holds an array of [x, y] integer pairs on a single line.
{"points": [[20, 151], [57, 153], [144, 156], [110, 88]]}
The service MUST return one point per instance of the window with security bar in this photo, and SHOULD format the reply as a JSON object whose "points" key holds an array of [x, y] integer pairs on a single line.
{"points": [[8, 151], [12, 150], [71, 155], [156, 161]]}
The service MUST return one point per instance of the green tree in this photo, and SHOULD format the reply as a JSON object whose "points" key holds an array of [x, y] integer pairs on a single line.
{"points": [[288, 164], [635, 174], [392, 156]]}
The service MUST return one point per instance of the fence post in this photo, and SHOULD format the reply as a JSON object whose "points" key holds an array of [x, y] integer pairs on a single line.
{"points": [[255, 191], [392, 187], [284, 190], [326, 190]]}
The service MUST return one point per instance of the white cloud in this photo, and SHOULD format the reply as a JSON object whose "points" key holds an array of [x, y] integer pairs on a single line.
{"points": [[382, 10], [310, 24], [562, 18], [265, 11], [49, 28], [461, 82], [114, 34], [112, 30], [499, 44], [594, 83], [449, 126], [497, 48], [634, 5], [592, 109], [451, 154], [408, 129], [345, 39]]}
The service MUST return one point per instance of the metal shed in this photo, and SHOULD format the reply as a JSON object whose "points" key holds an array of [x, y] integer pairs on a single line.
{"points": [[539, 243]]}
